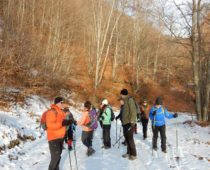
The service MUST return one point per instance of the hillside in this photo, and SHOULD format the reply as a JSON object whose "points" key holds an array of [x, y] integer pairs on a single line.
{"points": [[52, 49]]}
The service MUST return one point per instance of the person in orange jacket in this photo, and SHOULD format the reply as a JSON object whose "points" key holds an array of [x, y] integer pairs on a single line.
{"points": [[56, 129], [87, 133]]}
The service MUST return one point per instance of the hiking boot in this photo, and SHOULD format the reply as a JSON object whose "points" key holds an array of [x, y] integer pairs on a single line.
{"points": [[155, 149], [131, 157], [164, 151], [107, 147], [90, 151], [124, 143], [125, 155]]}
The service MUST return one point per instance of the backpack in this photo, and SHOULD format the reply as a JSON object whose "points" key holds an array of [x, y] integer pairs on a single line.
{"points": [[137, 106], [112, 114], [93, 124], [43, 124]]}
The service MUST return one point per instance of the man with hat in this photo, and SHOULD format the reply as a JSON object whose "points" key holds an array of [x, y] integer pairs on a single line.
{"points": [[129, 115], [157, 115], [56, 129]]}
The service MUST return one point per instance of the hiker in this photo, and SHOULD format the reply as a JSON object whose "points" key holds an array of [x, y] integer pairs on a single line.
{"points": [[157, 115], [56, 128], [105, 118], [87, 132], [129, 115], [69, 129], [119, 116], [144, 116]]}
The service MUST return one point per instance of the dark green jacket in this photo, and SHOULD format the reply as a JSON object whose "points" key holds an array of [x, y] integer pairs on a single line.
{"points": [[129, 114]]}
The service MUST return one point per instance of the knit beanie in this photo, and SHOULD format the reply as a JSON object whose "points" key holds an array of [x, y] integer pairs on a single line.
{"points": [[124, 92]]}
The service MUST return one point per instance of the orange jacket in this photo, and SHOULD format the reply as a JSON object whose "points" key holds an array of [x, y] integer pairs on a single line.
{"points": [[84, 121], [145, 110], [55, 130]]}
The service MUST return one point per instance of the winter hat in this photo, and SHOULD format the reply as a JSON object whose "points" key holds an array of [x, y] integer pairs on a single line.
{"points": [[124, 92], [159, 100], [58, 100], [105, 102]]}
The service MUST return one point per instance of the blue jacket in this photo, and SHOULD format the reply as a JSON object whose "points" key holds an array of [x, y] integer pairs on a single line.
{"points": [[159, 118]]}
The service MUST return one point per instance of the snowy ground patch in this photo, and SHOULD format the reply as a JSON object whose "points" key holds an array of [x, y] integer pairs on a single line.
{"points": [[191, 153]]}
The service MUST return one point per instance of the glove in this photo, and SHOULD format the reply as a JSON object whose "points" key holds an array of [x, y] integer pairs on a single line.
{"points": [[69, 143], [133, 125], [154, 113], [175, 115], [66, 122]]}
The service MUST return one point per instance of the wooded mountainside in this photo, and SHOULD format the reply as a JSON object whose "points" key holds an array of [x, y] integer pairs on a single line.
{"points": [[95, 48]]}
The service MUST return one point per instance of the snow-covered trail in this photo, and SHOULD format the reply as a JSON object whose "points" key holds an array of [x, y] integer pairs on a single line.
{"points": [[193, 150], [35, 155]]}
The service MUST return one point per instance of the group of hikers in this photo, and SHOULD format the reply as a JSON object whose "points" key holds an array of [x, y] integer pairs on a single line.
{"points": [[60, 125]]}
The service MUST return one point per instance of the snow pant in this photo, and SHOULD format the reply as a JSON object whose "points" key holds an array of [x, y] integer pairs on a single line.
{"points": [[135, 129], [106, 135], [55, 147], [87, 137], [128, 133], [144, 126], [162, 130]]}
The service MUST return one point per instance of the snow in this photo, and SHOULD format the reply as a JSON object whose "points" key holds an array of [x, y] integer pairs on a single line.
{"points": [[192, 153]]}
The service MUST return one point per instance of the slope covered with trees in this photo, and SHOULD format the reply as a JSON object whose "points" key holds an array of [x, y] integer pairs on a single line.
{"points": [[94, 48]]}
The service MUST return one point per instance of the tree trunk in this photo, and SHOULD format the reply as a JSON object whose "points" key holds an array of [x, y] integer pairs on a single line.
{"points": [[195, 60]]}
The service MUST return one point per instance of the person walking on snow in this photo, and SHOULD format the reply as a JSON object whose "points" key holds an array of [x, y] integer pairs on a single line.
{"points": [[144, 116], [87, 133], [56, 129], [69, 129], [157, 115], [129, 115], [119, 116], [105, 118]]}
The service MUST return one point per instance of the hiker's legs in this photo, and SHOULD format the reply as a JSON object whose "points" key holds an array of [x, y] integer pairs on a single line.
{"points": [[135, 128], [87, 138], [90, 138], [163, 137], [130, 143], [55, 147], [106, 135], [144, 124], [155, 136], [125, 130]]}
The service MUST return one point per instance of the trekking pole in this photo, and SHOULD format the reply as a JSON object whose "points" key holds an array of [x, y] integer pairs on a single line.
{"points": [[121, 136], [153, 128], [176, 138], [74, 144], [70, 160], [116, 130]]}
